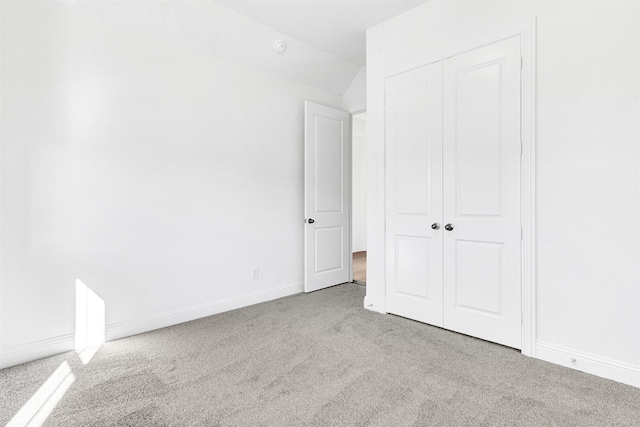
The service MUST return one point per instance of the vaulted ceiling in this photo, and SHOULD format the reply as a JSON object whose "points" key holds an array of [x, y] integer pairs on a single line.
{"points": [[325, 38], [336, 27]]}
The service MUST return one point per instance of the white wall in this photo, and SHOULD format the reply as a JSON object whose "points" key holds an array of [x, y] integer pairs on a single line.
{"points": [[588, 194], [156, 173], [359, 183], [355, 98]]}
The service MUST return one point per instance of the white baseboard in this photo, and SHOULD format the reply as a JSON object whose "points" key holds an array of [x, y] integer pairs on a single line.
{"points": [[126, 329], [55, 345], [592, 364], [36, 350], [371, 304]]}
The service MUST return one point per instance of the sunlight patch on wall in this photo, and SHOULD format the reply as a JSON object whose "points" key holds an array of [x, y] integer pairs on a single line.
{"points": [[36, 411], [90, 322], [90, 335]]}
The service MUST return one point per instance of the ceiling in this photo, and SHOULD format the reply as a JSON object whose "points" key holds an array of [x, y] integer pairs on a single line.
{"points": [[336, 27]]}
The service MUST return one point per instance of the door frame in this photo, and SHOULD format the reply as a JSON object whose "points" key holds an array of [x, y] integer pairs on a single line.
{"points": [[356, 109], [376, 286]]}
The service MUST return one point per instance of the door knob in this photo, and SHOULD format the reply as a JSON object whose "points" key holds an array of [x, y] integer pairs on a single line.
{"points": [[448, 227], [435, 226], [311, 220]]}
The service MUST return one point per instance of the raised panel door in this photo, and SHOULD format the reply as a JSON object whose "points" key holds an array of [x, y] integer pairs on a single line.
{"points": [[481, 199], [413, 122]]}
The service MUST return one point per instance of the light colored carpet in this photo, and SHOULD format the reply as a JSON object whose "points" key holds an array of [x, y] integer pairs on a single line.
{"points": [[318, 360]]}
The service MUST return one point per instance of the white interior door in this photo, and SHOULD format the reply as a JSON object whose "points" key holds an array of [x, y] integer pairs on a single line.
{"points": [[482, 151], [414, 194], [327, 197]]}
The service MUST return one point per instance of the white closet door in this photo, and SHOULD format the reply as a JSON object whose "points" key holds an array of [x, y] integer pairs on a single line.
{"points": [[414, 194], [481, 108]]}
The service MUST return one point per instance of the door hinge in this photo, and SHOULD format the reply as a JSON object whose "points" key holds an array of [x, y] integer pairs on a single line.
{"points": [[521, 148], [521, 61], [521, 233]]}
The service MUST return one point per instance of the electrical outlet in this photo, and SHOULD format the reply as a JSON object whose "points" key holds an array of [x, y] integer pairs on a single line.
{"points": [[255, 273]]}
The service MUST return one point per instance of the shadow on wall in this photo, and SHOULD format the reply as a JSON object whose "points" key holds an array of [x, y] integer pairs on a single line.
{"points": [[89, 337]]}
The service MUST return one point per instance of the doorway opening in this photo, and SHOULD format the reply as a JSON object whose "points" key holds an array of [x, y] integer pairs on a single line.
{"points": [[359, 197]]}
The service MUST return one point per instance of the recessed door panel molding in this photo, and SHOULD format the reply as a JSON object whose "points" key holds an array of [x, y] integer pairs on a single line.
{"points": [[481, 156], [477, 138], [414, 194], [413, 178], [329, 153], [412, 273], [327, 197], [479, 277], [329, 242]]}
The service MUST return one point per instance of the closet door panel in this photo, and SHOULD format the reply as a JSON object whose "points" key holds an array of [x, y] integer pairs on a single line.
{"points": [[413, 121], [481, 157]]}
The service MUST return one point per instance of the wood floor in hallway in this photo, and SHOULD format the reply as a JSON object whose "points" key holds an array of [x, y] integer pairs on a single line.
{"points": [[360, 267]]}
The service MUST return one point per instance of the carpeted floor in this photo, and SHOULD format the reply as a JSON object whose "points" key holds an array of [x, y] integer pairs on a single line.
{"points": [[318, 359]]}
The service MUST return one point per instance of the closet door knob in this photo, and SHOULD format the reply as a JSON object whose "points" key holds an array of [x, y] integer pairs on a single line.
{"points": [[435, 226], [448, 227], [311, 220]]}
